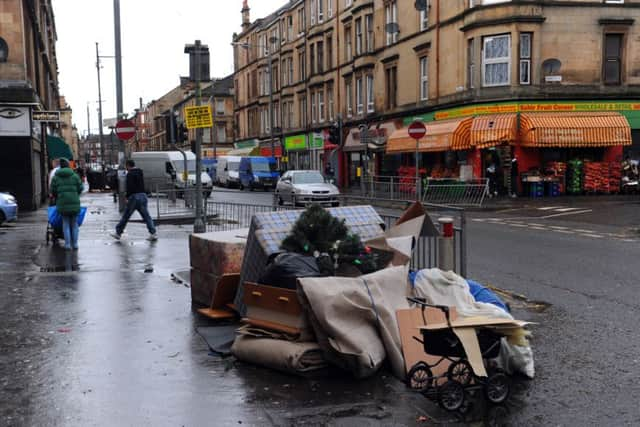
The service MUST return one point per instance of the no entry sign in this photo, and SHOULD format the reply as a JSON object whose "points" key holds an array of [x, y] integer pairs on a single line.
{"points": [[125, 129], [417, 130]]}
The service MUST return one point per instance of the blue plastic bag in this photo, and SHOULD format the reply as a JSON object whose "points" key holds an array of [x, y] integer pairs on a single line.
{"points": [[482, 294], [55, 219]]}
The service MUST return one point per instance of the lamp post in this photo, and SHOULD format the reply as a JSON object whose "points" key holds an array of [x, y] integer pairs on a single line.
{"points": [[272, 41]]}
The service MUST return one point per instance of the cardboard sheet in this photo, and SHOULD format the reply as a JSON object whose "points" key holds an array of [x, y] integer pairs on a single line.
{"points": [[469, 340]]}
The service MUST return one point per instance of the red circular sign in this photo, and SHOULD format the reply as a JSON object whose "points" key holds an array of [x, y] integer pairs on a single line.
{"points": [[417, 130], [125, 129]]}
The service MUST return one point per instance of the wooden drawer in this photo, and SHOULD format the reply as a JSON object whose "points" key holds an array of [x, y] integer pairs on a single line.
{"points": [[280, 300]]}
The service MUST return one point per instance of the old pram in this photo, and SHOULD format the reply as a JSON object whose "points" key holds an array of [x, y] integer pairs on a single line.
{"points": [[444, 340]]}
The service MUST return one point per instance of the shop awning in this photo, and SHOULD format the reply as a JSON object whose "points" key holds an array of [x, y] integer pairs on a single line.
{"points": [[57, 148], [494, 129], [441, 136], [598, 129], [249, 151]]}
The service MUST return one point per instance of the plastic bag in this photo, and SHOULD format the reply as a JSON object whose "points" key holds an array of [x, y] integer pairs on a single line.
{"points": [[55, 218], [287, 267]]}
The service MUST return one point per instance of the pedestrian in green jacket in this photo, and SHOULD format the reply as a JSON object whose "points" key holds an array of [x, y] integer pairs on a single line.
{"points": [[66, 187]]}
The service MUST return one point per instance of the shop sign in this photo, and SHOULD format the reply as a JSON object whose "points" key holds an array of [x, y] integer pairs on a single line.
{"points": [[249, 143], [316, 140], [45, 116], [295, 142], [14, 121], [532, 107]]}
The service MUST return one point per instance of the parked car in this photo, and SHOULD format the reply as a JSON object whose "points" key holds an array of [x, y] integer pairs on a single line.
{"points": [[8, 208], [303, 187], [258, 172]]}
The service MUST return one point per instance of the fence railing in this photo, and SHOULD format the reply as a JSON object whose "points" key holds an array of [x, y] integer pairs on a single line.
{"points": [[432, 190], [167, 203]]}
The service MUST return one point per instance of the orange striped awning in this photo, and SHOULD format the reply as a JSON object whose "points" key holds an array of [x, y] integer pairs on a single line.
{"points": [[597, 129], [441, 136], [494, 129]]}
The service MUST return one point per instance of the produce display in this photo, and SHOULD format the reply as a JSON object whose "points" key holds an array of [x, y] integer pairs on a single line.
{"points": [[602, 177], [574, 176]]}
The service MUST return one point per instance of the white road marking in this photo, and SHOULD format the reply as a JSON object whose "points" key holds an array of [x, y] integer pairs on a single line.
{"points": [[537, 225], [539, 228], [596, 236], [556, 227], [568, 209], [565, 231], [517, 225], [478, 219], [548, 208], [565, 214]]}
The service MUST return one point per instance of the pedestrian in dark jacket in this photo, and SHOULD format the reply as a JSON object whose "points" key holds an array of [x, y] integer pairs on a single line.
{"points": [[66, 187], [136, 201]]}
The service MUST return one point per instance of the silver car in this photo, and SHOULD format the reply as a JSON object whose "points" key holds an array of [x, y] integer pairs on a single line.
{"points": [[303, 187]]}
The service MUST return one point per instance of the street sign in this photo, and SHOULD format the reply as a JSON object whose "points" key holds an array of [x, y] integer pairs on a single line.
{"points": [[125, 129], [198, 117], [417, 130], [45, 116]]}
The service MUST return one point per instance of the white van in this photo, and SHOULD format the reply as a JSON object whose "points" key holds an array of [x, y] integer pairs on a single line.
{"points": [[228, 171], [164, 169]]}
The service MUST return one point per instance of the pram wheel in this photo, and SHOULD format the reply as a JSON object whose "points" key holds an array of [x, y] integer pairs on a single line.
{"points": [[451, 395], [420, 377], [460, 371], [497, 387]]}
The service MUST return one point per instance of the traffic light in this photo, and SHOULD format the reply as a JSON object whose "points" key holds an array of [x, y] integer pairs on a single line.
{"points": [[182, 134], [334, 135]]}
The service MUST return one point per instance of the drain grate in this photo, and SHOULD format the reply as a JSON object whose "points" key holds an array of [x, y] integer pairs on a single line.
{"points": [[59, 268]]}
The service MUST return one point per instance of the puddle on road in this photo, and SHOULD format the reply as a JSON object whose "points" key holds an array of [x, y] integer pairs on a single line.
{"points": [[59, 268]]}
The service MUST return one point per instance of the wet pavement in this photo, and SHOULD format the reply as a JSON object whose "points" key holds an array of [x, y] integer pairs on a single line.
{"points": [[104, 337]]}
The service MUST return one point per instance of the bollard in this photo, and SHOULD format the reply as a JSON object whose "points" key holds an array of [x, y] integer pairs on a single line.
{"points": [[446, 245]]}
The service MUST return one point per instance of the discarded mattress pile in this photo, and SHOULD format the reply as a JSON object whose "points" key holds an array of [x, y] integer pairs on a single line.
{"points": [[329, 287]]}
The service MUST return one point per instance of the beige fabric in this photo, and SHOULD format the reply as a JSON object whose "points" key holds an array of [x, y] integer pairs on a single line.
{"points": [[286, 356], [344, 318]]}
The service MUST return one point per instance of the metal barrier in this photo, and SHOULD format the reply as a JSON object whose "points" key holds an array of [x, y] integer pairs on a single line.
{"points": [[455, 192], [433, 190], [174, 203]]}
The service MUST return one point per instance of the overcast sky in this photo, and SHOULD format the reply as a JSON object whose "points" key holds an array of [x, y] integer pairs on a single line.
{"points": [[154, 33]]}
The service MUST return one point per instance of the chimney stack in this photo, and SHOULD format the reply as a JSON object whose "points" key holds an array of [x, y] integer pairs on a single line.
{"points": [[246, 20]]}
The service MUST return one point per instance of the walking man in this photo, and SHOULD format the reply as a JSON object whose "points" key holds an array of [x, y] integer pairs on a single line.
{"points": [[136, 201]]}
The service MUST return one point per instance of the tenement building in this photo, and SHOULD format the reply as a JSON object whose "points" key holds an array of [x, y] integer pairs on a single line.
{"points": [[542, 84], [28, 83]]}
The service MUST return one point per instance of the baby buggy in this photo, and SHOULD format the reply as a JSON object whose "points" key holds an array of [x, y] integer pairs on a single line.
{"points": [[443, 341], [54, 224]]}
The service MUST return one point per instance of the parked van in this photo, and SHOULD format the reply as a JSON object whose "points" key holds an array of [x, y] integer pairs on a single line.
{"points": [[227, 171], [258, 172], [164, 169]]}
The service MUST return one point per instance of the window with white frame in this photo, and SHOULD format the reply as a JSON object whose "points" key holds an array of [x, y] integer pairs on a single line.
{"points": [[276, 114], [359, 95], [274, 39], [471, 63], [525, 59], [303, 110], [302, 65], [424, 18], [320, 60], [291, 116], [301, 21], [391, 17], [290, 27], [313, 11], [329, 8], [260, 84], [370, 94], [358, 36], [330, 106], [221, 132], [285, 75], [220, 107], [424, 78], [368, 21], [320, 106], [320, 11], [496, 60], [348, 51], [314, 108], [348, 3], [349, 97], [291, 70]]}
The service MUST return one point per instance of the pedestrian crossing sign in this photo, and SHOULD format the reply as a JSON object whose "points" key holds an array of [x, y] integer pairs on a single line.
{"points": [[198, 117]]}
